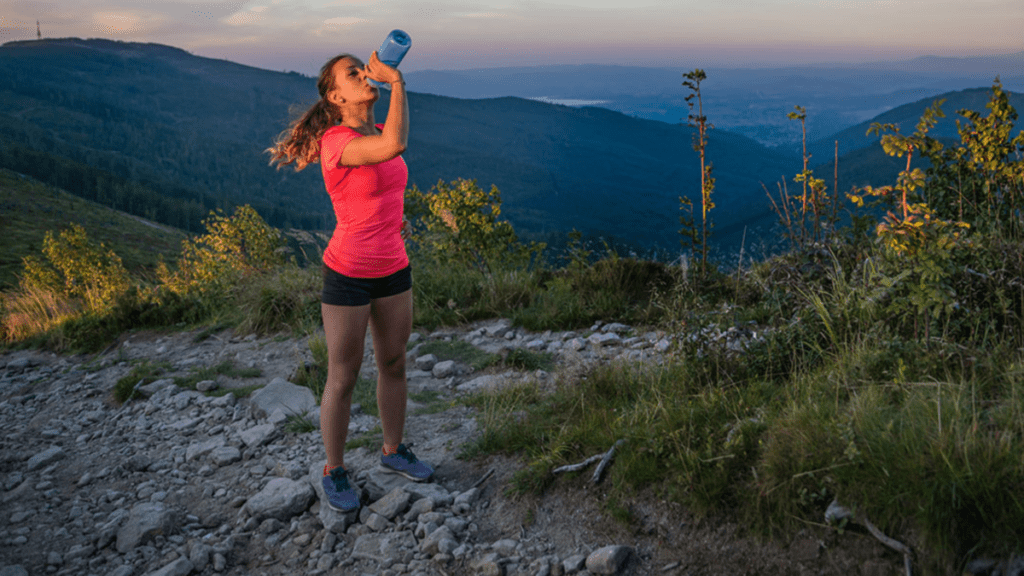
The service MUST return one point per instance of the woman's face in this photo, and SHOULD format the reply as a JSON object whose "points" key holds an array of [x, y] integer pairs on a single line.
{"points": [[350, 84]]}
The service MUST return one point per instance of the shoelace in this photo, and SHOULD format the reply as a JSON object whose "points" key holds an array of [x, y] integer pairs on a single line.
{"points": [[340, 479], [406, 453]]}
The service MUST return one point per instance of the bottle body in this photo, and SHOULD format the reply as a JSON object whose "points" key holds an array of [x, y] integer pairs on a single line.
{"points": [[391, 52]]}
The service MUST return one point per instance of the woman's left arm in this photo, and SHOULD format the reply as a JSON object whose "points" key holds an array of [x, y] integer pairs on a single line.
{"points": [[395, 137]]}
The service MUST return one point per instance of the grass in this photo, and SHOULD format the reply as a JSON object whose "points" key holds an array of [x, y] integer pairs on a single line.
{"points": [[433, 402], [917, 436], [146, 372], [227, 368], [460, 351]]}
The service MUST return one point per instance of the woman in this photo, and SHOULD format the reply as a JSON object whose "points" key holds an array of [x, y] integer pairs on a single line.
{"points": [[367, 277]]}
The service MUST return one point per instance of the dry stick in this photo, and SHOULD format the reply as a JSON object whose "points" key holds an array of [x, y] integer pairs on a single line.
{"points": [[579, 466], [483, 478], [605, 461], [894, 544]]}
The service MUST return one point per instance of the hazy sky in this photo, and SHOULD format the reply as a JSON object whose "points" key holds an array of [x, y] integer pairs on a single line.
{"points": [[301, 34]]}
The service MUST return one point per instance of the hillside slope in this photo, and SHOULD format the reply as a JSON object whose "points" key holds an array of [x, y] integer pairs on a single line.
{"points": [[30, 209]]}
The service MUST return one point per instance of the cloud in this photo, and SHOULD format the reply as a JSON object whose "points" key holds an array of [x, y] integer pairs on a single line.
{"points": [[344, 21], [246, 17], [481, 15], [125, 23]]}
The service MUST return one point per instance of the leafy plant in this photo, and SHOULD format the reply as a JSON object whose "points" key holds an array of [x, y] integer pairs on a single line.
{"points": [[692, 236], [461, 221], [232, 247], [77, 268]]}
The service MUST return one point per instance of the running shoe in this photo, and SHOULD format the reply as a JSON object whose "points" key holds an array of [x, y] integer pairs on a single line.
{"points": [[340, 494], [404, 462]]}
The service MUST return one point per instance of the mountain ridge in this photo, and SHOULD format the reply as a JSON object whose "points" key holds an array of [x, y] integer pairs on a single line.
{"points": [[204, 123]]}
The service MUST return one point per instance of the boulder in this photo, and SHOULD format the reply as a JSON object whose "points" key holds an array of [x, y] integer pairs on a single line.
{"points": [[281, 498], [282, 395]]}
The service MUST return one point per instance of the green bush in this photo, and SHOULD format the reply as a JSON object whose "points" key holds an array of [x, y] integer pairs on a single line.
{"points": [[233, 247]]}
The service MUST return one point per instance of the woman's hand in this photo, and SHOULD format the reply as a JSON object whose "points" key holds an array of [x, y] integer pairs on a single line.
{"points": [[406, 228], [381, 72]]}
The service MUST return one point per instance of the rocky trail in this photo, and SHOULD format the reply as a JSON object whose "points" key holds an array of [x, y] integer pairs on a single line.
{"points": [[187, 482]]}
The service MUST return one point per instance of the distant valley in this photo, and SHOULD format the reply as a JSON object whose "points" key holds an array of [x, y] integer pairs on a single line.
{"points": [[751, 102]]}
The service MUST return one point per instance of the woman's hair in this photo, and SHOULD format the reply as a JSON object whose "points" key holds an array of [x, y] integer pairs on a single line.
{"points": [[300, 143]]}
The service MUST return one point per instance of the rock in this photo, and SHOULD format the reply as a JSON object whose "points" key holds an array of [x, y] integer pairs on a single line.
{"points": [[615, 328], [376, 522], [13, 570], [836, 513], [281, 498], [505, 547], [468, 497], [609, 339], [485, 382], [258, 435], [487, 566], [386, 547], [145, 522], [207, 385], [576, 344], [430, 544], [392, 504], [498, 328], [225, 455], [202, 448], [123, 570], [608, 560], [663, 345], [537, 345], [574, 564], [199, 556], [419, 507], [426, 362], [285, 396], [443, 369], [45, 458], [78, 551], [179, 567]]}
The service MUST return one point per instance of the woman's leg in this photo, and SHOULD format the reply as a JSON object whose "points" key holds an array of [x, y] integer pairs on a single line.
{"points": [[345, 332], [391, 324]]}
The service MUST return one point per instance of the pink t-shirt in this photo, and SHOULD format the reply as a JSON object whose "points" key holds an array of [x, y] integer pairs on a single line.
{"points": [[368, 203]]}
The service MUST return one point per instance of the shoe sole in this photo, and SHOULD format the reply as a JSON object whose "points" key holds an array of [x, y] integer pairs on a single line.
{"points": [[342, 510], [389, 470]]}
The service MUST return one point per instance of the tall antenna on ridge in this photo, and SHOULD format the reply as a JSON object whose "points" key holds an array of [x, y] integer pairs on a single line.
{"points": [[39, 31]]}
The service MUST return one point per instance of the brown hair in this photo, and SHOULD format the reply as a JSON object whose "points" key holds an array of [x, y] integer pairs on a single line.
{"points": [[300, 143]]}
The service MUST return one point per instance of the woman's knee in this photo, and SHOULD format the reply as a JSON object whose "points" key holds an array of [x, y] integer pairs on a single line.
{"points": [[342, 380], [392, 365]]}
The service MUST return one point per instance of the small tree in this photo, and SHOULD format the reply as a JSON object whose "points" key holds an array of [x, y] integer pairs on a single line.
{"points": [[77, 268], [461, 222], [915, 237], [981, 181], [707, 182], [232, 247]]}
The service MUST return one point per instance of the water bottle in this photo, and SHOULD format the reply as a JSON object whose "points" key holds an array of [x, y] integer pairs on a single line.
{"points": [[393, 50]]}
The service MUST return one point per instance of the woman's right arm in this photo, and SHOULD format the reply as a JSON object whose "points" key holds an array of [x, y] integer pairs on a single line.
{"points": [[394, 138]]}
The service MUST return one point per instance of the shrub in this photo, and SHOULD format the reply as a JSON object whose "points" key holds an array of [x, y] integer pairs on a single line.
{"points": [[78, 269], [232, 248]]}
